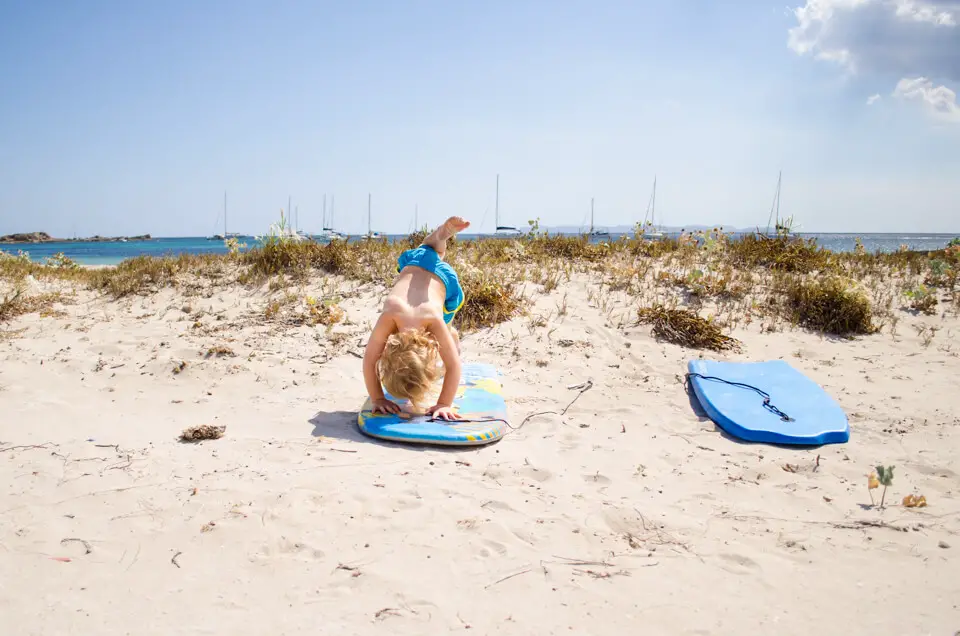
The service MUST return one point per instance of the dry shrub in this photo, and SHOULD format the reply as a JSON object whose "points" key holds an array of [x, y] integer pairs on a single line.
{"points": [[488, 301], [685, 328], [220, 351], [202, 432], [655, 248], [147, 274], [564, 247], [16, 303], [783, 254], [280, 256], [323, 313], [830, 306]]}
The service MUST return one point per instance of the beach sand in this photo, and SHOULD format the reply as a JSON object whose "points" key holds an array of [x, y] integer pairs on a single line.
{"points": [[630, 514]]}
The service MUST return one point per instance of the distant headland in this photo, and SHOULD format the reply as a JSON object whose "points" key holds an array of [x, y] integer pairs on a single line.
{"points": [[43, 237]]}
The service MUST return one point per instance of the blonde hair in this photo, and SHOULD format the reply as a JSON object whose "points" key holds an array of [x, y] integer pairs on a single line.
{"points": [[408, 365]]}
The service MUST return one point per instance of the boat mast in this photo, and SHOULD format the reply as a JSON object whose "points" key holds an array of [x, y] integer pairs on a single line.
{"points": [[653, 204], [324, 212], [224, 216], [775, 208], [497, 205], [779, 180], [369, 222], [591, 215]]}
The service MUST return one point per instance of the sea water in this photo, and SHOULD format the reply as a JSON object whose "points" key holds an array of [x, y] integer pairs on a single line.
{"points": [[111, 253]]}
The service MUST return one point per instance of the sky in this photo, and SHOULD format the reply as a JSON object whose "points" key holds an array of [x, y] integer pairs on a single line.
{"points": [[123, 118]]}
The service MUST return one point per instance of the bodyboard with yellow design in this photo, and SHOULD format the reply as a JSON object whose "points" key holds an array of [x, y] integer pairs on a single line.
{"points": [[479, 400]]}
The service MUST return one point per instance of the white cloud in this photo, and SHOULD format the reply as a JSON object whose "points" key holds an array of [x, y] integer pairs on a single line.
{"points": [[904, 37], [889, 39], [924, 13], [939, 100], [873, 99]]}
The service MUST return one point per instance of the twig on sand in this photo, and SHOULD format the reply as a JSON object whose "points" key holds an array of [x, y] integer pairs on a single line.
{"points": [[509, 576], [860, 524], [569, 561], [391, 611], [173, 559], [602, 575], [86, 546], [44, 445]]}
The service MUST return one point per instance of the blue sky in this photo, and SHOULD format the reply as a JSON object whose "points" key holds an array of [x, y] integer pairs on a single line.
{"points": [[131, 117]]}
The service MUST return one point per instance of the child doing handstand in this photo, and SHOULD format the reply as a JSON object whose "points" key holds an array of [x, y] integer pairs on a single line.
{"points": [[414, 332]]}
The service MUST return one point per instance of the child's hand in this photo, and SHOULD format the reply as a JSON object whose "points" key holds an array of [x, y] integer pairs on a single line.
{"points": [[442, 412], [384, 405]]}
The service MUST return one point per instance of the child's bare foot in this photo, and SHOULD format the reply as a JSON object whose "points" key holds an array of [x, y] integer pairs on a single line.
{"points": [[451, 226], [439, 237]]}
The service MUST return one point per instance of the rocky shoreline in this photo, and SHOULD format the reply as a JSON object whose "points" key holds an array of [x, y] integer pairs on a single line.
{"points": [[43, 237]]}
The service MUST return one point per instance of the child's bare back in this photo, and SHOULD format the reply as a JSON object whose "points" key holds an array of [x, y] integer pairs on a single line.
{"points": [[414, 331]]}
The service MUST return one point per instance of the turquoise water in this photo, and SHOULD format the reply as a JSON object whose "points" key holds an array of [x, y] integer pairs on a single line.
{"points": [[112, 253]]}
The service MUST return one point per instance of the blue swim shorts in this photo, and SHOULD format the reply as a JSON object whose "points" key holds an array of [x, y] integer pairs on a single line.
{"points": [[425, 257]]}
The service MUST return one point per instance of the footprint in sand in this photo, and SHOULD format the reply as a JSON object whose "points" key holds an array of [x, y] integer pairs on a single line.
{"points": [[488, 548], [498, 505], [286, 547], [537, 474], [738, 564]]}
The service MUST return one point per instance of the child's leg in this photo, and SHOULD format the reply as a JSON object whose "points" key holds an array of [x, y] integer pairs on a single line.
{"points": [[439, 237]]}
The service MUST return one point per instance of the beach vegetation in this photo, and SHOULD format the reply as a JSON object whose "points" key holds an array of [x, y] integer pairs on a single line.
{"points": [[829, 305], [922, 300], [685, 328]]}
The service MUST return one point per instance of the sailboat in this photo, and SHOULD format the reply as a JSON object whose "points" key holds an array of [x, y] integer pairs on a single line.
{"points": [[781, 227], [289, 230], [596, 233], [503, 231], [225, 235], [370, 233], [296, 216], [328, 233], [649, 220]]}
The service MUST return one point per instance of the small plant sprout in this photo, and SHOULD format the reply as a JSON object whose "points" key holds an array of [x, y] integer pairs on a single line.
{"points": [[872, 484], [885, 477]]}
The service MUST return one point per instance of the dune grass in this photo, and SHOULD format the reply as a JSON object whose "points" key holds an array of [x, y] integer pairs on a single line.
{"points": [[784, 277]]}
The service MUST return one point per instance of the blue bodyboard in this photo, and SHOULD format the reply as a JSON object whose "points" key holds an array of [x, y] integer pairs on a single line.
{"points": [[479, 400], [740, 411]]}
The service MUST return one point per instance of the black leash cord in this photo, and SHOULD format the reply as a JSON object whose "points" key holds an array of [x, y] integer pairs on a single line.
{"points": [[766, 396], [583, 388]]}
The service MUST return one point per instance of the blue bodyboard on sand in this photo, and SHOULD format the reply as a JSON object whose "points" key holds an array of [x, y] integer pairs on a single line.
{"points": [[740, 411], [479, 400]]}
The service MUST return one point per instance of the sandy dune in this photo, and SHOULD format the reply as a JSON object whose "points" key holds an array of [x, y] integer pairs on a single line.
{"points": [[630, 514]]}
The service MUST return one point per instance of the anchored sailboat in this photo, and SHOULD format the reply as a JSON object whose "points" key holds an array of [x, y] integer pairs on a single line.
{"points": [[781, 227], [505, 231], [596, 233], [328, 233], [225, 235], [649, 220]]}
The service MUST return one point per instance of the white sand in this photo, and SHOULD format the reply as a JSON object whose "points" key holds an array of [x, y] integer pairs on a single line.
{"points": [[629, 515]]}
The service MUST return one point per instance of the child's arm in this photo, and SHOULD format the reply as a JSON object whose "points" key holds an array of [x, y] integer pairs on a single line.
{"points": [[378, 340], [451, 371]]}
